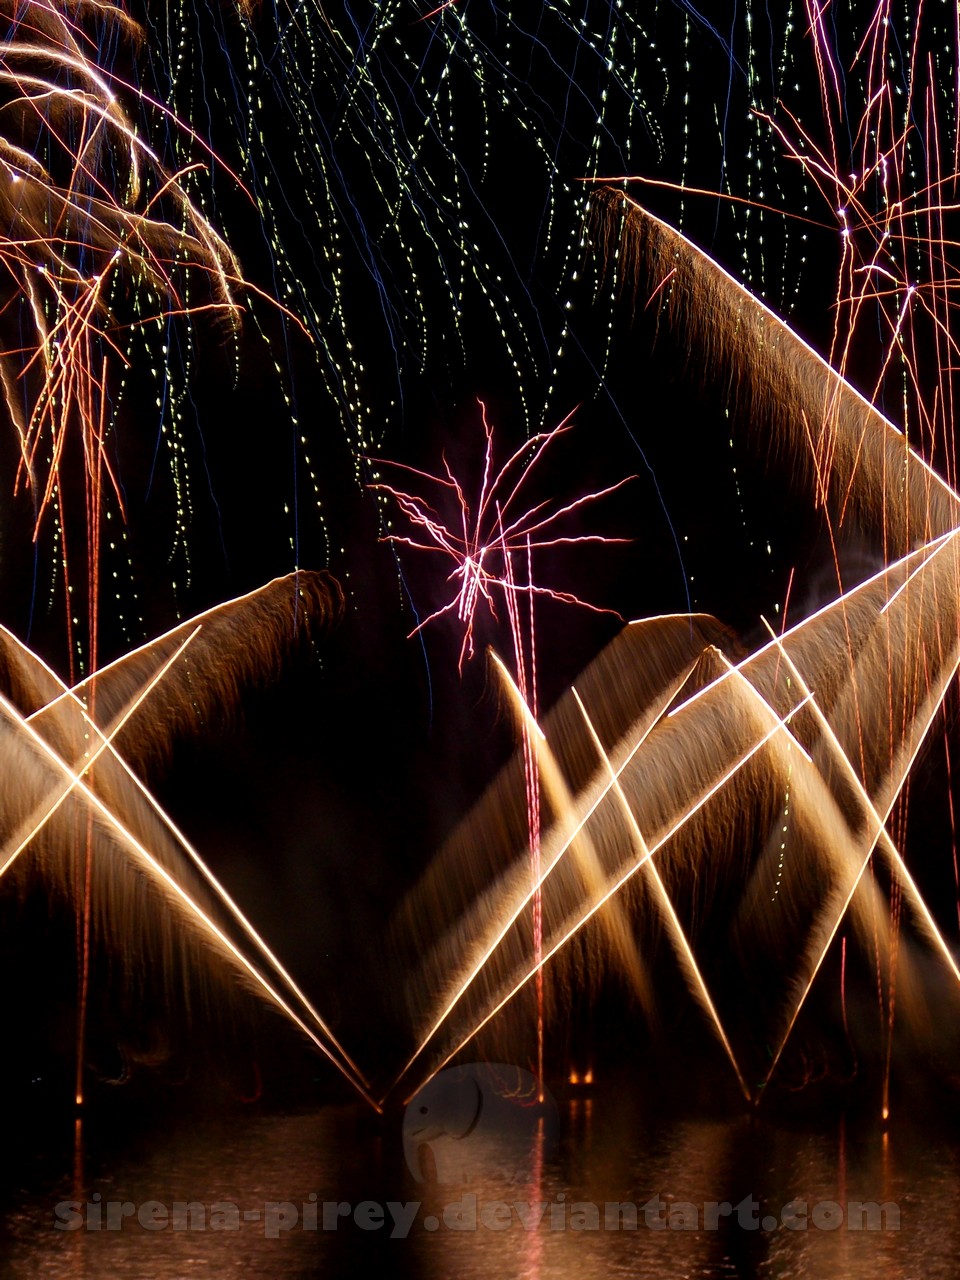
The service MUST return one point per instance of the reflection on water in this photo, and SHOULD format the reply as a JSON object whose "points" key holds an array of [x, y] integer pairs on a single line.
{"points": [[328, 1193]]}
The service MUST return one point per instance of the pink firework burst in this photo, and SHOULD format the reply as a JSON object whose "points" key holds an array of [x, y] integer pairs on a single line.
{"points": [[491, 554], [496, 534]]}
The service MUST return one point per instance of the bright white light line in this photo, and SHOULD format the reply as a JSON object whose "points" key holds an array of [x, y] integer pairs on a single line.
{"points": [[234, 909], [755, 304], [545, 872], [688, 960], [36, 823], [130, 840], [144, 648], [618, 885], [764, 706], [945, 542], [839, 603]]}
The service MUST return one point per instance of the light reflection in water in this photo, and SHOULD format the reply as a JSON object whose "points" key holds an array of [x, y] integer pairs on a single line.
{"points": [[614, 1148]]}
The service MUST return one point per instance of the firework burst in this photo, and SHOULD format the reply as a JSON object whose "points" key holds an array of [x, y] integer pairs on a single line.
{"points": [[491, 550], [492, 546]]}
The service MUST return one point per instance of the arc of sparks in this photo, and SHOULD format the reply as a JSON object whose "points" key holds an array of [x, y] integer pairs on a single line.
{"points": [[618, 883], [851, 621], [49, 722]]}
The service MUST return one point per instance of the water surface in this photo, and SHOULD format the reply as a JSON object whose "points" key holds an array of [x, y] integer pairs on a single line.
{"points": [[629, 1190]]}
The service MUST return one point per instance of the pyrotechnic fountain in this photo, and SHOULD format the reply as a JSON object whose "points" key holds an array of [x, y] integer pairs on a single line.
{"points": [[75, 771], [615, 806], [767, 779], [677, 761], [704, 860]]}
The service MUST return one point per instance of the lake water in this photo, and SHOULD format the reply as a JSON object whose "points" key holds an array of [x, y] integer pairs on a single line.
{"points": [[327, 1192]]}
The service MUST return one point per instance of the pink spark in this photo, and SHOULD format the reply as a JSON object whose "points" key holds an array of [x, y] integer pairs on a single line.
{"points": [[491, 531]]}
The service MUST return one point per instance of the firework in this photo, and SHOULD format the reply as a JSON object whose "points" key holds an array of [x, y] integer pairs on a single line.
{"points": [[154, 895], [797, 752], [494, 543]]}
